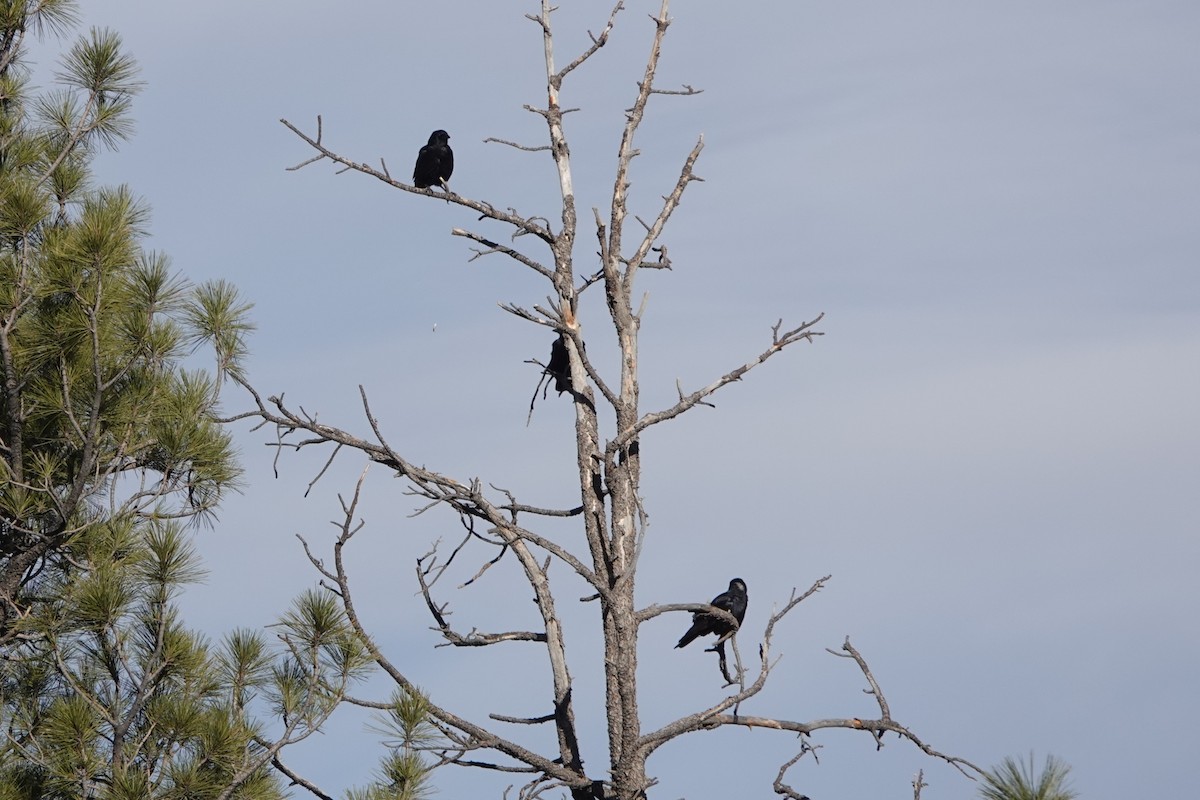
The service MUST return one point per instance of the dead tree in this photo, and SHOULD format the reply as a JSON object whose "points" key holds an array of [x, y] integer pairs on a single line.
{"points": [[611, 515]]}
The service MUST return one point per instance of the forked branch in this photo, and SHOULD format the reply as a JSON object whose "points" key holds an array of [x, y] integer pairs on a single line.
{"points": [[566, 769], [704, 719], [597, 42], [496, 247], [716, 717], [654, 230], [475, 638], [686, 402]]}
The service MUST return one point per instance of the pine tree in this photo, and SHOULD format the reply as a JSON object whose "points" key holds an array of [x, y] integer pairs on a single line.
{"points": [[94, 397], [108, 445], [1013, 779], [110, 695], [107, 694]]}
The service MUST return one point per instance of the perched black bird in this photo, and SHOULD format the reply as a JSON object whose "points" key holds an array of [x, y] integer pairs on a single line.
{"points": [[734, 600], [559, 367], [435, 162]]}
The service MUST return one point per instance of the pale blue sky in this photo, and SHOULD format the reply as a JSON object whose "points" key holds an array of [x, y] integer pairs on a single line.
{"points": [[994, 450]]}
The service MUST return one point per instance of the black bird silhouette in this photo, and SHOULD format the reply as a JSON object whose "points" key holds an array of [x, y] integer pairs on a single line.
{"points": [[734, 600], [559, 367], [435, 162]]}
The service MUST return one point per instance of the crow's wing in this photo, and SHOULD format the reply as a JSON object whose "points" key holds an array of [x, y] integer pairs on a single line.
{"points": [[701, 626], [726, 601], [425, 173]]}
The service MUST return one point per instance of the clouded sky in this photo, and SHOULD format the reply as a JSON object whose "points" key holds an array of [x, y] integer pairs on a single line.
{"points": [[994, 450]]}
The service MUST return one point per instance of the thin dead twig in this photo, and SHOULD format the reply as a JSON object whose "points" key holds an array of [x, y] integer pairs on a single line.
{"points": [[535, 149], [686, 402], [782, 788]]}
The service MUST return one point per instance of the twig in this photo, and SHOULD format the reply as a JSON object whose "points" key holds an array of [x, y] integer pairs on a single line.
{"points": [[918, 784], [686, 402], [536, 149], [296, 780], [782, 788]]}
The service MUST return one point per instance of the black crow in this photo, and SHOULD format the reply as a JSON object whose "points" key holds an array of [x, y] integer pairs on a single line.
{"points": [[435, 162], [559, 367], [558, 370], [734, 601]]}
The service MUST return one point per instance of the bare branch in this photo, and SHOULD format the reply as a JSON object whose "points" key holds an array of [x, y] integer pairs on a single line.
{"points": [[474, 638], [306, 162], [523, 720], [715, 716], [297, 780], [650, 612], [670, 203], [536, 149], [500, 248], [485, 209], [324, 469], [544, 512], [686, 91], [919, 784], [626, 153], [597, 43], [875, 691], [317, 563], [704, 719], [526, 314], [779, 341], [319, 156], [782, 788], [481, 736]]}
